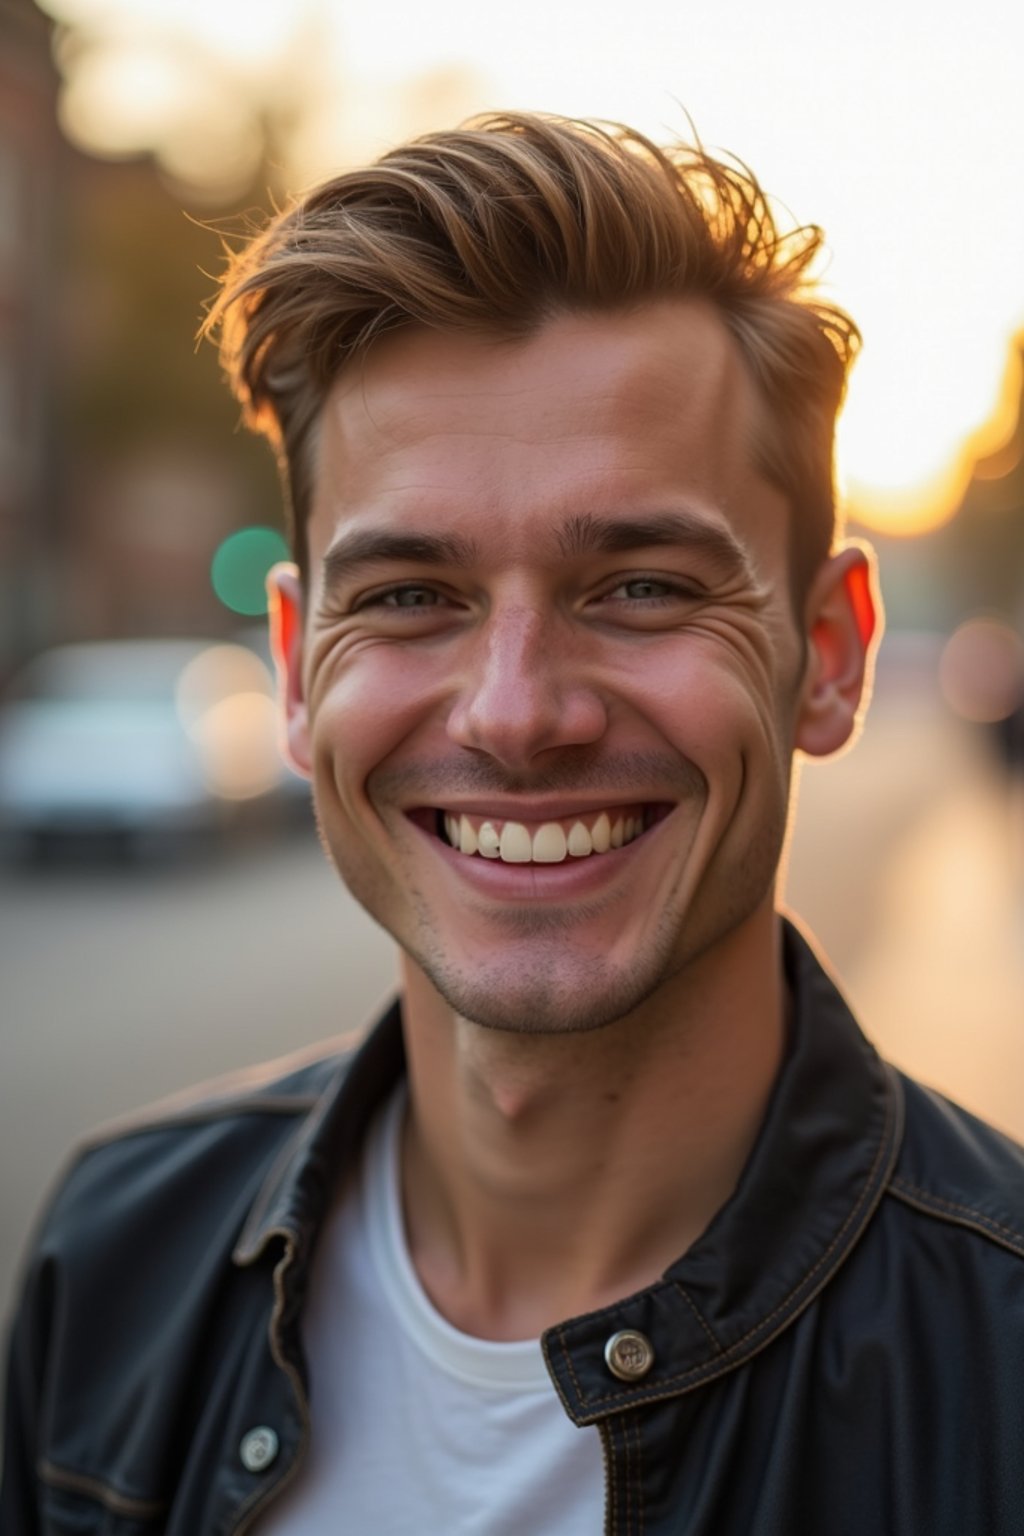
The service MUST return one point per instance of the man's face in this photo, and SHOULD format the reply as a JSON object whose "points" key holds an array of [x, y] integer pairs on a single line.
{"points": [[548, 616]]}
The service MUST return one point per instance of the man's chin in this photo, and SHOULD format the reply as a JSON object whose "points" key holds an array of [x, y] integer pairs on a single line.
{"points": [[544, 1000]]}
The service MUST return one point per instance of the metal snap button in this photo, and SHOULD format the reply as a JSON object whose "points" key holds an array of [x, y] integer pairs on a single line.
{"points": [[258, 1448], [629, 1355]]}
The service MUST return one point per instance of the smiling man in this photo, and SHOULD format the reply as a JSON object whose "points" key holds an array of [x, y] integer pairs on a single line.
{"points": [[615, 1220]]}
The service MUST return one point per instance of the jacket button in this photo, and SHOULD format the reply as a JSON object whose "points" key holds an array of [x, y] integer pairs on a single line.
{"points": [[628, 1355], [258, 1448]]}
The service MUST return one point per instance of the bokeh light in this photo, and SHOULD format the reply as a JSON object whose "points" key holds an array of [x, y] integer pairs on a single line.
{"points": [[215, 674], [239, 568], [237, 739], [981, 671], [225, 698]]}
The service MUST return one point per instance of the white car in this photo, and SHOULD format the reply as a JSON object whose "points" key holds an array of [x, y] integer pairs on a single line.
{"points": [[136, 739]]}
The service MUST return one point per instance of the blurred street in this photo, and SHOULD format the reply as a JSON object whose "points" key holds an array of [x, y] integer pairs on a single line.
{"points": [[125, 983]]}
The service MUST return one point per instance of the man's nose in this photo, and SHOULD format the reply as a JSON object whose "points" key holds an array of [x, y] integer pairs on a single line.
{"points": [[526, 690]]}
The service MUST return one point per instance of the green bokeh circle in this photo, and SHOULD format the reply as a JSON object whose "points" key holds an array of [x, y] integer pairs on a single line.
{"points": [[238, 571]]}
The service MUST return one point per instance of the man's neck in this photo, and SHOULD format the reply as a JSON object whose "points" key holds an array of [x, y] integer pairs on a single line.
{"points": [[545, 1176]]}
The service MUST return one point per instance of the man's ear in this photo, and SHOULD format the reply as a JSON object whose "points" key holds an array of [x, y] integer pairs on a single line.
{"points": [[843, 624], [285, 612]]}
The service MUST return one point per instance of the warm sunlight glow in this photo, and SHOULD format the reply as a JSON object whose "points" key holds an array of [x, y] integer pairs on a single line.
{"points": [[247, 32], [911, 170], [120, 97], [914, 428]]}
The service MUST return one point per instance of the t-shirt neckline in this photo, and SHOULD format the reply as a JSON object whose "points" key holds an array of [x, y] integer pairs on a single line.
{"points": [[516, 1366]]}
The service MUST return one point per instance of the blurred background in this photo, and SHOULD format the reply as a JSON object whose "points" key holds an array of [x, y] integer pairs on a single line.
{"points": [[165, 911]]}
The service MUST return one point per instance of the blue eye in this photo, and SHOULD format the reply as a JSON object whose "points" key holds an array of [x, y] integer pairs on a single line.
{"points": [[638, 596], [651, 589], [646, 587], [409, 597]]}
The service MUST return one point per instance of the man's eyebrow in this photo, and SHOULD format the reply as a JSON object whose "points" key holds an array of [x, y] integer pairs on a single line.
{"points": [[593, 534], [382, 546], [581, 535]]}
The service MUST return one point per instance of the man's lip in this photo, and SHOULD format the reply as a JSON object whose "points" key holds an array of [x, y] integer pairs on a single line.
{"points": [[496, 880]]}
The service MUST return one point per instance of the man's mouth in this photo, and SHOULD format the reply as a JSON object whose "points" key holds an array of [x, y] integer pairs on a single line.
{"points": [[547, 842]]}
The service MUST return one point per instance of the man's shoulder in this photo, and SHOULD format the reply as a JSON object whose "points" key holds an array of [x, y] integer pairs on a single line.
{"points": [[286, 1086], [219, 1137], [958, 1170]]}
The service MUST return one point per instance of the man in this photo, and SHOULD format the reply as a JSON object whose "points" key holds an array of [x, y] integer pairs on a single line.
{"points": [[616, 1220]]}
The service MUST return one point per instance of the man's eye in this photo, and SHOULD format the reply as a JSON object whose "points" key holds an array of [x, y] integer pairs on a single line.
{"points": [[645, 586], [408, 597], [640, 589]]}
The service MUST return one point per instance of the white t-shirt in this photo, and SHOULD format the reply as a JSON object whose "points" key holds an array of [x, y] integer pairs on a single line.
{"points": [[417, 1427]]}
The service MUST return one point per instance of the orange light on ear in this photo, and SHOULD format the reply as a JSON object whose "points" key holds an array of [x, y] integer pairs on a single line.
{"points": [[858, 585], [283, 623]]}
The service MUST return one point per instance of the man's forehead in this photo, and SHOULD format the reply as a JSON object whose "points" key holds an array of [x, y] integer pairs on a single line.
{"points": [[646, 408], [673, 359]]}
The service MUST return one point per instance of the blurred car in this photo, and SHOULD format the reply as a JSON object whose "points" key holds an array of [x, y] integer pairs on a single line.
{"points": [[137, 740]]}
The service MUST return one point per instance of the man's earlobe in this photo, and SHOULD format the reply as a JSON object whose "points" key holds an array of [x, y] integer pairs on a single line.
{"points": [[843, 626], [285, 612]]}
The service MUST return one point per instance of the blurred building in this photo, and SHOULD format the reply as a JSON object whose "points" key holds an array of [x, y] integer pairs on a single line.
{"points": [[120, 466], [157, 473], [31, 154]]}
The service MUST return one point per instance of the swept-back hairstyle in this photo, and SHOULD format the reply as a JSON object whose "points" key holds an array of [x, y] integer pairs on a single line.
{"points": [[497, 226]]}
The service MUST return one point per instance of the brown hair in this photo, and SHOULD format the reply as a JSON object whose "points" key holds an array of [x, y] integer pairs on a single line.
{"points": [[506, 221]]}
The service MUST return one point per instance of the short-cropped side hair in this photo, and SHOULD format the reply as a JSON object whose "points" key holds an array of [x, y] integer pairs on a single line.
{"points": [[501, 224]]}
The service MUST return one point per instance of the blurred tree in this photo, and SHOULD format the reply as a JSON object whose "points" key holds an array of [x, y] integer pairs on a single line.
{"points": [[156, 472], [135, 290]]}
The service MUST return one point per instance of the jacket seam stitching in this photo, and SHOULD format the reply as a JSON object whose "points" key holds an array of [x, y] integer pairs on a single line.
{"points": [[613, 1477], [639, 1473], [694, 1372], [567, 1353], [100, 1492], [252, 1239], [963, 1215], [627, 1451], [698, 1314]]}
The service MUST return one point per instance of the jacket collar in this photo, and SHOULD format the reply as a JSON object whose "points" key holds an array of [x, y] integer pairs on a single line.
{"points": [[297, 1191], [811, 1184]]}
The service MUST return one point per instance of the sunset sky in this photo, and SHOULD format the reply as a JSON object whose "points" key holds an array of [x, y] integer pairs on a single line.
{"points": [[896, 124]]}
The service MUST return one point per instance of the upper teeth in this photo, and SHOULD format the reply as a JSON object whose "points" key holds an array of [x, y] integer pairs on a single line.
{"points": [[550, 843]]}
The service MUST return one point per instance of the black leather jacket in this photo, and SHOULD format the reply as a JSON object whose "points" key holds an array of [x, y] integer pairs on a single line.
{"points": [[841, 1353]]}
